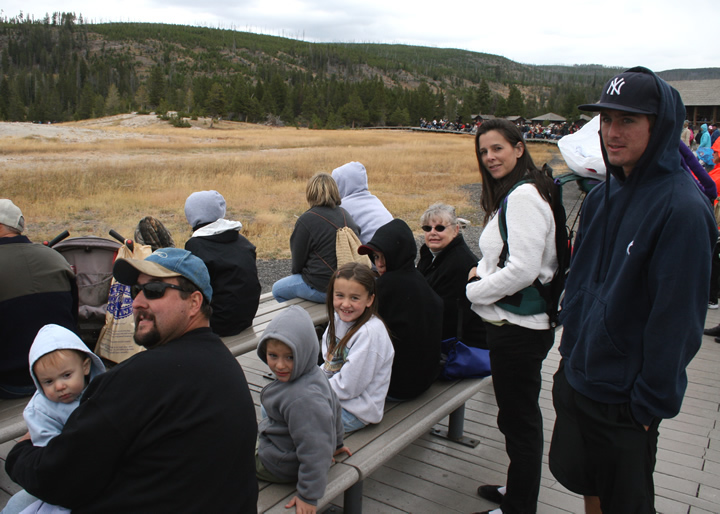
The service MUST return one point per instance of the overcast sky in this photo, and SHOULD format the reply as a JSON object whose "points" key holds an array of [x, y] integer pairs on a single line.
{"points": [[658, 34]]}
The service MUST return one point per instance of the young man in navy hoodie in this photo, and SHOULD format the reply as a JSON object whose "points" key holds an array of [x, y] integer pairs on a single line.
{"points": [[635, 300]]}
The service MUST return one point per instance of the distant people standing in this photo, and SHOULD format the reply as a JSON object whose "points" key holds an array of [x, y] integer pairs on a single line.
{"points": [[686, 134], [37, 287], [705, 139], [230, 259], [366, 209], [704, 149]]}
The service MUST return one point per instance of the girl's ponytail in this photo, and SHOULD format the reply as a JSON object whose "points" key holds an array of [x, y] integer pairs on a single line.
{"points": [[365, 277]]}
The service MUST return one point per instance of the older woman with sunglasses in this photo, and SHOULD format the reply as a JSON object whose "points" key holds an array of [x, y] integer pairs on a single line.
{"points": [[445, 261]]}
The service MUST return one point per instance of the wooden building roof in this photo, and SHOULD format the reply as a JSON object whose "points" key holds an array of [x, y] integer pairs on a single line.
{"points": [[698, 92]]}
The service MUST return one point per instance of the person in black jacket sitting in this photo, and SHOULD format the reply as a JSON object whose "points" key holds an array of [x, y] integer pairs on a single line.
{"points": [[409, 307], [230, 259]]}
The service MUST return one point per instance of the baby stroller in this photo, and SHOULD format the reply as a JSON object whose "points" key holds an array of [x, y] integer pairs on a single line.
{"points": [[92, 260]]}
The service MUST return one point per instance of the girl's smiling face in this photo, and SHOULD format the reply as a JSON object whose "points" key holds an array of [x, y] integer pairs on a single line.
{"points": [[350, 299]]}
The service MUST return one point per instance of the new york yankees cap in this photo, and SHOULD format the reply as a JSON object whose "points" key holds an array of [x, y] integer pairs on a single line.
{"points": [[630, 91]]}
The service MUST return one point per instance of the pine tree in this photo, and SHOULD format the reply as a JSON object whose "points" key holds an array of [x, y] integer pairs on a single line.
{"points": [[112, 101], [484, 98], [515, 105], [156, 87], [354, 111], [216, 103]]}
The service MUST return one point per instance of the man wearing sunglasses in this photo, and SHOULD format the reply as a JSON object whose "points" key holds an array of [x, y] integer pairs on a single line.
{"points": [[171, 429]]}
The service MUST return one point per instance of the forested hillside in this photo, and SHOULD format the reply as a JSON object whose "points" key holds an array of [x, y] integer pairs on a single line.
{"points": [[59, 69]]}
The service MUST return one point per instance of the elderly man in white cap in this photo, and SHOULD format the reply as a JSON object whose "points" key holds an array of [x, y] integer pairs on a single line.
{"points": [[171, 429], [37, 287]]}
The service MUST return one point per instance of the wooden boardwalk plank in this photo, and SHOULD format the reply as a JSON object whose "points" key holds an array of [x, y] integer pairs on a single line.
{"points": [[434, 475]]}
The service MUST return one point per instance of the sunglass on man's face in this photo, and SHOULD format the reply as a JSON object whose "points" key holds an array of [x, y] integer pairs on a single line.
{"points": [[438, 228], [152, 290]]}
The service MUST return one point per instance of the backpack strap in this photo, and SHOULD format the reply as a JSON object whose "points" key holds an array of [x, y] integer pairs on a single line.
{"points": [[505, 252], [333, 224], [502, 224]]}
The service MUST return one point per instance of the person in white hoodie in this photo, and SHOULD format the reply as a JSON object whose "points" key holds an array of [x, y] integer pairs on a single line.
{"points": [[230, 259], [61, 367], [366, 209]]}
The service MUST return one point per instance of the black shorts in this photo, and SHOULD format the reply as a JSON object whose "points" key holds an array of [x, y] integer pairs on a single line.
{"points": [[599, 449]]}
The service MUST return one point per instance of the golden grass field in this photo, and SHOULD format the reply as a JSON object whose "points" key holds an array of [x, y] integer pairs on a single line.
{"points": [[92, 176]]}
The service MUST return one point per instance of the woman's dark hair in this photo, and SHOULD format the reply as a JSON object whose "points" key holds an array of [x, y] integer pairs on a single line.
{"points": [[364, 276], [494, 191]]}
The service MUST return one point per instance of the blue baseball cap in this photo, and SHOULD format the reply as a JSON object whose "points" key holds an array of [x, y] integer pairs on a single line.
{"points": [[166, 263]]}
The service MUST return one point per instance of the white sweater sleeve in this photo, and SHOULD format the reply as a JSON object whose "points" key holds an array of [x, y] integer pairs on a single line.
{"points": [[531, 253]]}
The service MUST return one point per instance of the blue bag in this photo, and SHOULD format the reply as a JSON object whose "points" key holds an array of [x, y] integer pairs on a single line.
{"points": [[463, 361], [705, 155]]}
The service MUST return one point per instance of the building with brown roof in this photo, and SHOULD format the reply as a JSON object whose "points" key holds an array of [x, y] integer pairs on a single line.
{"points": [[701, 99]]}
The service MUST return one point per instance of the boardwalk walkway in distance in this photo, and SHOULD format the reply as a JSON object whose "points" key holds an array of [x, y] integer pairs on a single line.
{"points": [[434, 476]]}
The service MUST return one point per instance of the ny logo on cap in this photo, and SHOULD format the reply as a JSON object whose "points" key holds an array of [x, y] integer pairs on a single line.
{"points": [[615, 86]]}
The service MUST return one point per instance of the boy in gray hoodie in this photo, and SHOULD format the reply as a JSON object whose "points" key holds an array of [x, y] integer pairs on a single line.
{"points": [[61, 367], [302, 426]]}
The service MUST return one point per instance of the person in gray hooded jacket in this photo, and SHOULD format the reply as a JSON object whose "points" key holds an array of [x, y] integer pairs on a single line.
{"points": [[302, 426]]}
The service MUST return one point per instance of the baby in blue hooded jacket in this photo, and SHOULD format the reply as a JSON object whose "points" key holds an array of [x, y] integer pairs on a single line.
{"points": [[302, 425], [61, 367]]}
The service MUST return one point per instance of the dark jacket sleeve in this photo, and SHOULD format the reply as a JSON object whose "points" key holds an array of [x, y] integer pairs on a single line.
{"points": [[77, 465]]}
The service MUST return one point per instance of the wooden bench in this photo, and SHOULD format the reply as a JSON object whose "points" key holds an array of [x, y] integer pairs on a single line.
{"points": [[374, 445], [248, 339]]}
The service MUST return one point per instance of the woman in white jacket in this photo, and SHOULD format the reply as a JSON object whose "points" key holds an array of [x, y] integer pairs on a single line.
{"points": [[518, 336]]}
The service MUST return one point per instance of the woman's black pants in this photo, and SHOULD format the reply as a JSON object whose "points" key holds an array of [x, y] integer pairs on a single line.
{"points": [[516, 357]]}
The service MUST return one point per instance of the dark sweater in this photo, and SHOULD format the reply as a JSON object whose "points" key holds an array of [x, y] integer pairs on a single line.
{"points": [[230, 259], [447, 275], [312, 244], [38, 288], [636, 297]]}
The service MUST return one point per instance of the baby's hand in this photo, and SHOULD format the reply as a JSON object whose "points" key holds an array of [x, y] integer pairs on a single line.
{"points": [[25, 437], [344, 449], [301, 507]]}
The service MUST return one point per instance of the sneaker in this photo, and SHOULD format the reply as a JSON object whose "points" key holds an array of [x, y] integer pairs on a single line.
{"points": [[712, 305], [490, 493], [714, 331], [717, 339]]}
